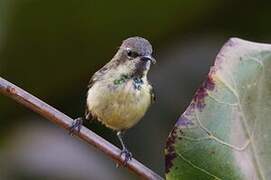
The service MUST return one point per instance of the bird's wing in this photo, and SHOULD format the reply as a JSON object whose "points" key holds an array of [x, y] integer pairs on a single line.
{"points": [[153, 97], [87, 112], [96, 76]]}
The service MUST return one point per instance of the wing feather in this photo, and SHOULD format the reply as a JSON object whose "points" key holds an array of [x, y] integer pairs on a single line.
{"points": [[97, 76]]}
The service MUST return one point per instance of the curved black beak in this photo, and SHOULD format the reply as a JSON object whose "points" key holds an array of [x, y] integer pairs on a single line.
{"points": [[148, 58]]}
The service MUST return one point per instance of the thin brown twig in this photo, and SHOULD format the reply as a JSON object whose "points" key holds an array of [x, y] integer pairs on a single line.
{"points": [[55, 116]]}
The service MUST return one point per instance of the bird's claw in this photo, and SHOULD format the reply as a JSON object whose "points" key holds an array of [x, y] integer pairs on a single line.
{"points": [[127, 156], [76, 126]]}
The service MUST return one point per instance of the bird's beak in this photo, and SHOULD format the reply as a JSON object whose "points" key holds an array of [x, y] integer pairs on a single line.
{"points": [[148, 58]]}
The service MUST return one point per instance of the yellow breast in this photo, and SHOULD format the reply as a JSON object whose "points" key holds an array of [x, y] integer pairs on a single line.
{"points": [[119, 106]]}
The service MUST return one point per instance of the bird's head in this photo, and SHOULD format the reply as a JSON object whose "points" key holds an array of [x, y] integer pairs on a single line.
{"points": [[135, 54]]}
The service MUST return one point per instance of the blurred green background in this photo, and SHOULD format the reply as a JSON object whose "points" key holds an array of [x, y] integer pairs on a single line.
{"points": [[51, 49]]}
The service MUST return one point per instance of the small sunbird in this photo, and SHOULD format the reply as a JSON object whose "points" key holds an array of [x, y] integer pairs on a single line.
{"points": [[119, 94]]}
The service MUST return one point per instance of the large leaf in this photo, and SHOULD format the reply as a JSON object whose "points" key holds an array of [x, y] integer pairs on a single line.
{"points": [[225, 133]]}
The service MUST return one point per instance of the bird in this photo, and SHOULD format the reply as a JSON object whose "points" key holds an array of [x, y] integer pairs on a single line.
{"points": [[119, 94]]}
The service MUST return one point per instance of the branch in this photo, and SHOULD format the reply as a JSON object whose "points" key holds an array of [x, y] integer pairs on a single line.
{"points": [[59, 118]]}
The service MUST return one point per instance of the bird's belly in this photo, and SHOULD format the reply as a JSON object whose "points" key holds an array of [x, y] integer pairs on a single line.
{"points": [[118, 107]]}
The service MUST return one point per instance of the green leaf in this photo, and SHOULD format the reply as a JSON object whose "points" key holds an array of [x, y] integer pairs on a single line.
{"points": [[225, 133]]}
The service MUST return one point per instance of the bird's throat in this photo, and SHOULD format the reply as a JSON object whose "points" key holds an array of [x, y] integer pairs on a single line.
{"points": [[137, 81]]}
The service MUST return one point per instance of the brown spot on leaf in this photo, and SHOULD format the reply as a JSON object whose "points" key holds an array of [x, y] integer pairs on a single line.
{"points": [[170, 149], [212, 152], [184, 121], [199, 98]]}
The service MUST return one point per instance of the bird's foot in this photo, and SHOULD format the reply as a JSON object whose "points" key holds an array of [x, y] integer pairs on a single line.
{"points": [[127, 156], [76, 126]]}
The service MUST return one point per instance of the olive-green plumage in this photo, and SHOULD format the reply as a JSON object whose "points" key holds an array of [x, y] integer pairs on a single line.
{"points": [[119, 93]]}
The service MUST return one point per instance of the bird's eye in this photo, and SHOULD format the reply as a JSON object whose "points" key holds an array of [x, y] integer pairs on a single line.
{"points": [[132, 54]]}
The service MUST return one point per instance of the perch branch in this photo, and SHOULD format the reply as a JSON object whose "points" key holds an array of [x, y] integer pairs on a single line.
{"points": [[59, 118]]}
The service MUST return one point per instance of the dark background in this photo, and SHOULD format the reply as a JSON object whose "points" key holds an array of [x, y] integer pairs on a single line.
{"points": [[51, 48]]}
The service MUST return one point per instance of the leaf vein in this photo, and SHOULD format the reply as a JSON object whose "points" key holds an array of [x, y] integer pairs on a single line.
{"points": [[197, 167]]}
